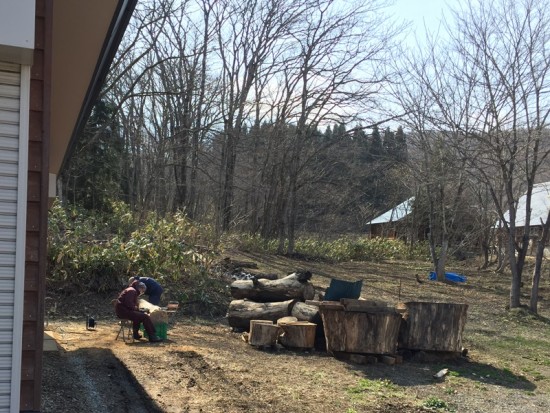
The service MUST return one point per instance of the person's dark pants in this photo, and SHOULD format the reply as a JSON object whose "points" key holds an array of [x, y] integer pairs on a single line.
{"points": [[137, 318]]}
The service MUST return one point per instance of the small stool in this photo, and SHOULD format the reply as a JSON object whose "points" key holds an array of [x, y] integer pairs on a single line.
{"points": [[126, 327], [126, 330]]}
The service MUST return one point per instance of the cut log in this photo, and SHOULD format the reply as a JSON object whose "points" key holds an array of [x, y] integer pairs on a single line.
{"points": [[305, 312], [373, 332], [263, 333], [432, 326], [263, 276], [240, 312], [299, 334], [263, 290], [157, 314]]}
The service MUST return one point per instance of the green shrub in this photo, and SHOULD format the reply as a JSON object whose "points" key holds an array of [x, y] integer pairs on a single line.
{"points": [[338, 250], [99, 252]]}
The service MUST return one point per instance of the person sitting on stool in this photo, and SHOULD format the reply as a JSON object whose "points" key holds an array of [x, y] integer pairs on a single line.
{"points": [[154, 289], [127, 308]]}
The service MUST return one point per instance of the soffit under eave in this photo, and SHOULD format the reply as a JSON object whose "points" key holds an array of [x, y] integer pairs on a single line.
{"points": [[82, 41]]}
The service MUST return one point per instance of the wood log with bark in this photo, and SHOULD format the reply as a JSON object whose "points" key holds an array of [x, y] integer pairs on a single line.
{"points": [[370, 330], [309, 312], [240, 312], [298, 334], [263, 333], [229, 265], [432, 326], [293, 286], [306, 312]]}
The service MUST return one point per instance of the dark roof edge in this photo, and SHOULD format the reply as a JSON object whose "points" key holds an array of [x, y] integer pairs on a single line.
{"points": [[118, 25]]}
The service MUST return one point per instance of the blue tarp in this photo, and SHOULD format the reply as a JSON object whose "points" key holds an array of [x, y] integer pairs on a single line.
{"points": [[449, 276]]}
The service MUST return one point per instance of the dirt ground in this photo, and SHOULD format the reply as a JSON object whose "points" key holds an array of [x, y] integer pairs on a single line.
{"points": [[204, 366]]}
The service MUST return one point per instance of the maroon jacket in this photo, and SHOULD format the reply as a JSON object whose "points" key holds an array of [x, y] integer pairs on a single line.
{"points": [[128, 300]]}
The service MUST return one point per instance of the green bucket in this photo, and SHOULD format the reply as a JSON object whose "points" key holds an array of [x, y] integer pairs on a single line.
{"points": [[161, 330]]}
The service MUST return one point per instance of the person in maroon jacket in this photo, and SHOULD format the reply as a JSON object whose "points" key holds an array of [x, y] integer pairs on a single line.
{"points": [[127, 307]]}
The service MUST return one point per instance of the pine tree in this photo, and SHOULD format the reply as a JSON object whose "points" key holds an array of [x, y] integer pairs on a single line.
{"points": [[376, 147], [92, 179]]}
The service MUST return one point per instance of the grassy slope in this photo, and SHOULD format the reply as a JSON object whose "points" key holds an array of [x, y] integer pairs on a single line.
{"points": [[509, 350]]}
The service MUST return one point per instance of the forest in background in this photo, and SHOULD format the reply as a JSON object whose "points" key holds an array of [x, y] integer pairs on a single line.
{"points": [[280, 118]]}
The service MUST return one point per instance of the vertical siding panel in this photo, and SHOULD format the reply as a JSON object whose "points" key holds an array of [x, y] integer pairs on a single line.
{"points": [[37, 202], [10, 80]]}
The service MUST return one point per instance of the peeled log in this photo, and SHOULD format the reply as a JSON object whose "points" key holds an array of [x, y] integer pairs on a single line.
{"points": [[157, 314], [263, 290], [240, 312]]}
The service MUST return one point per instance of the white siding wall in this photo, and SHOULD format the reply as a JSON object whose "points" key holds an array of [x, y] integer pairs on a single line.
{"points": [[11, 274]]}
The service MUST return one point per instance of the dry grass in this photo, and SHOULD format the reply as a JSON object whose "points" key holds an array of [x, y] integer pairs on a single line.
{"points": [[205, 367]]}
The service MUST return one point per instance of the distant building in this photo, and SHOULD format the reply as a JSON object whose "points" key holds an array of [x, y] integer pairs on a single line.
{"points": [[540, 204], [392, 223]]}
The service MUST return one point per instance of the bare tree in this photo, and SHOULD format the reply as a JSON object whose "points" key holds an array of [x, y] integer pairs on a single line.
{"points": [[488, 87]]}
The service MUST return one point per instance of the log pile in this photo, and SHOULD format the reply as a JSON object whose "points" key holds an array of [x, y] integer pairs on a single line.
{"points": [[261, 302], [263, 299], [367, 331]]}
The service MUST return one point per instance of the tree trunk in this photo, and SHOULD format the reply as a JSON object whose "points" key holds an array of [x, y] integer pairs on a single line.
{"points": [[263, 333], [366, 331], [299, 334], [432, 326], [306, 312], [240, 312], [533, 303], [263, 290]]}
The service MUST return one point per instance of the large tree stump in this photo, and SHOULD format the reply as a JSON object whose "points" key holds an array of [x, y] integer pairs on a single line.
{"points": [[372, 330], [240, 312], [263, 333], [432, 326], [310, 312], [298, 334], [263, 290]]}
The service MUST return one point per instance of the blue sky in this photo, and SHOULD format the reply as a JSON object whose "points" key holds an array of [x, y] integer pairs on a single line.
{"points": [[420, 13]]}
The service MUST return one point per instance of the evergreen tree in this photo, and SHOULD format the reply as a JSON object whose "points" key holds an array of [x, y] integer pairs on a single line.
{"points": [[376, 147], [92, 178], [389, 143], [328, 133], [400, 145]]}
